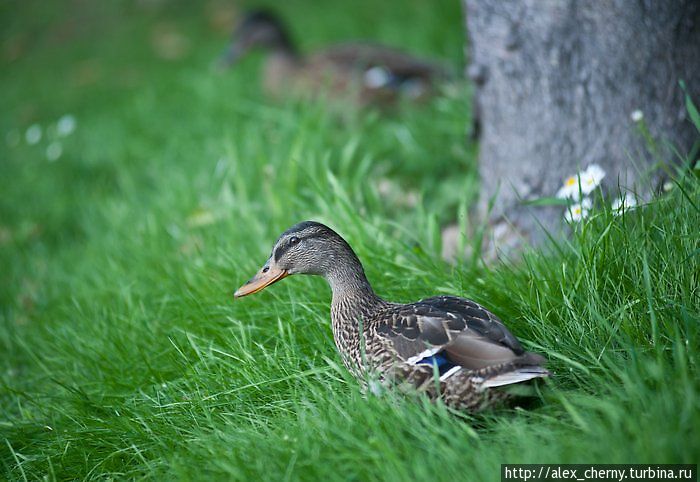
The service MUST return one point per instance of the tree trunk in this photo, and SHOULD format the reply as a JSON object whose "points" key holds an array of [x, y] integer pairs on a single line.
{"points": [[556, 86]]}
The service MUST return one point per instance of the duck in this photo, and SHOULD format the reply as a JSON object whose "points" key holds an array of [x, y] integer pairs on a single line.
{"points": [[449, 348], [363, 73]]}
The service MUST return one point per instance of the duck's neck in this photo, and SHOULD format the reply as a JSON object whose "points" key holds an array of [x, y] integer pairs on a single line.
{"points": [[350, 286], [354, 301]]}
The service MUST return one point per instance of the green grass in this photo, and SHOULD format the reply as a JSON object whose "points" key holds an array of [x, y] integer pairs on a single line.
{"points": [[124, 355]]}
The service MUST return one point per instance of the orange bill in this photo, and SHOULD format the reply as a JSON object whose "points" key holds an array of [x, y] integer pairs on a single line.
{"points": [[263, 278]]}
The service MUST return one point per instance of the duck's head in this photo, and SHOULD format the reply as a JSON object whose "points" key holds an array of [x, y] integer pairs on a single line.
{"points": [[305, 248], [258, 29]]}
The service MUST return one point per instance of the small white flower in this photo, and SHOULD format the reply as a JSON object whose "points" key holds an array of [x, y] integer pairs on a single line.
{"points": [[377, 77], [570, 188], [588, 179], [385, 187], [579, 211], [591, 178], [637, 115], [33, 134], [622, 204], [409, 199], [66, 125], [54, 151], [668, 185]]}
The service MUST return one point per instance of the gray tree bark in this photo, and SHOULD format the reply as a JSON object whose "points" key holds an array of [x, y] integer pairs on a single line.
{"points": [[556, 82]]}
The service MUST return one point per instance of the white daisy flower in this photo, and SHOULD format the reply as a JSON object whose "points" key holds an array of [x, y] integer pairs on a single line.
{"points": [[622, 204], [570, 188], [66, 125], [33, 134], [588, 179], [591, 179], [577, 212], [54, 151], [637, 115]]}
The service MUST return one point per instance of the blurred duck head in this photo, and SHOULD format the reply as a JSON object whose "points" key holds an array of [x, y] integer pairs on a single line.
{"points": [[259, 29]]}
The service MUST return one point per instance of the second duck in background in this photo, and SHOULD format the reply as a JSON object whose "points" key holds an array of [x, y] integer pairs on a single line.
{"points": [[362, 73]]}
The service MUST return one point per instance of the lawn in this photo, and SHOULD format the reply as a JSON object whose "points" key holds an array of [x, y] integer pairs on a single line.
{"points": [[121, 243]]}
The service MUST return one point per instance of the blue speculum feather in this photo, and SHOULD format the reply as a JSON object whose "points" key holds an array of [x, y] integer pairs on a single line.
{"points": [[439, 360]]}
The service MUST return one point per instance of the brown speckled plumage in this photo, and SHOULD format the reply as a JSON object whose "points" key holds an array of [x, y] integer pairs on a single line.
{"points": [[359, 72], [447, 347]]}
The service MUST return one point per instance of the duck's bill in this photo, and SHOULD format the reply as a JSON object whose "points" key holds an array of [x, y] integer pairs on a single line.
{"points": [[260, 281]]}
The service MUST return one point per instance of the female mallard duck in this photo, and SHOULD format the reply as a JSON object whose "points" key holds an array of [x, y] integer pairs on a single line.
{"points": [[448, 347], [368, 74]]}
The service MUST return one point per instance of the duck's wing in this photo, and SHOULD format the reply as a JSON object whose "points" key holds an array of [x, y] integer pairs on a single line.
{"points": [[366, 56], [458, 331], [378, 74]]}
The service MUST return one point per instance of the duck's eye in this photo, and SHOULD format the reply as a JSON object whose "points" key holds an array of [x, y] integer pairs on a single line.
{"points": [[294, 240]]}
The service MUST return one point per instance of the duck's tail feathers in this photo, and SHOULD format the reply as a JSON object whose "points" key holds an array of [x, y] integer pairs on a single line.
{"points": [[520, 374]]}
